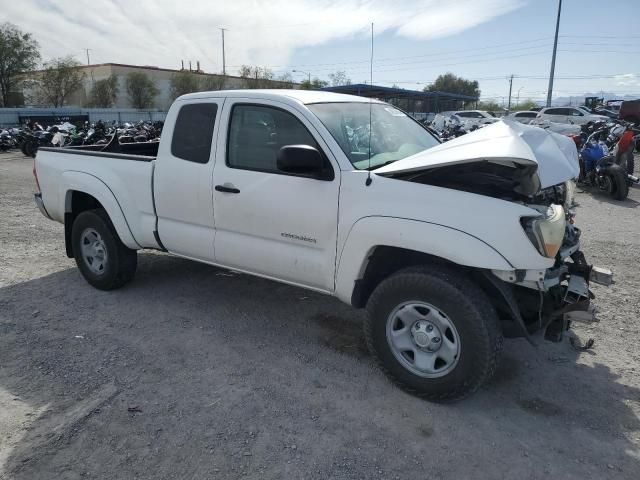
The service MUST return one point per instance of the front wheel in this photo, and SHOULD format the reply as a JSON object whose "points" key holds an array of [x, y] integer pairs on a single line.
{"points": [[433, 332], [104, 261]]}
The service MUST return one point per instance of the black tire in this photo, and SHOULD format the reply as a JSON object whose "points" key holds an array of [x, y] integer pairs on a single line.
{"points": [[121, 261], [29, 149], [631, 164], [465, 305], [620, 186]]}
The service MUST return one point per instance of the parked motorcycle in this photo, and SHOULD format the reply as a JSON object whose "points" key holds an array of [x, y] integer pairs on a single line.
{"points": [[602, 168], [7, 140], [620, 138]]}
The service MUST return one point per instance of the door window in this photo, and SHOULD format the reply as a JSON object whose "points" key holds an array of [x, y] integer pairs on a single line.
{"points": [[193, 132], [256, 134], [470, 114]]}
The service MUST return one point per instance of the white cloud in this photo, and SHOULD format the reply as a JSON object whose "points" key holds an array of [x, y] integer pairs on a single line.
{"points": [[627, 80], [163, 32]]}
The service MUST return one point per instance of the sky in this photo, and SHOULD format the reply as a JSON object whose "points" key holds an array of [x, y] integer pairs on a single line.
{"points": [[414, 40]]}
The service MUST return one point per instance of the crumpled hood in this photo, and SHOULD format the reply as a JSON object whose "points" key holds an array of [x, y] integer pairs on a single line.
{"points": [[506, 141]]}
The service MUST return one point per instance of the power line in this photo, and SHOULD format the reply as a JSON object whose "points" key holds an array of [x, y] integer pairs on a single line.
{"points": [[445, 53]]}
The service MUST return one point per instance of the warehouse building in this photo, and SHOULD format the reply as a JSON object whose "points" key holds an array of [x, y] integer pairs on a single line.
{"points": [[161, 78]]}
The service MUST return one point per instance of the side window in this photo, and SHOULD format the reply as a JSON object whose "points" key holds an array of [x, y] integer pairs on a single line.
{"points": [[256, 133], [576, 113], [193, 132], [554, 111]]}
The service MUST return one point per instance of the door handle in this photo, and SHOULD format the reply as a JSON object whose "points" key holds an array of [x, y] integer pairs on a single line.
{"points": [[225, 189]]}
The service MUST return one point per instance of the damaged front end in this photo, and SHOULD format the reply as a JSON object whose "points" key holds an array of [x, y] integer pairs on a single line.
{"points": [[534, 168], [549, 300], [533, 301]]}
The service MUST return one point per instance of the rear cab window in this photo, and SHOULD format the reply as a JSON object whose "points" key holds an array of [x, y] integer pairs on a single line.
{"points": [[193, 132]]}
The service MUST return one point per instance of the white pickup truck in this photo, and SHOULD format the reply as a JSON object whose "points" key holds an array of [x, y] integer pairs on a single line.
{"points": [[449, 247]]}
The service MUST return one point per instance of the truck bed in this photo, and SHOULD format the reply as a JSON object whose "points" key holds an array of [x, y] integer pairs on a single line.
{"points": [[124, 180]]}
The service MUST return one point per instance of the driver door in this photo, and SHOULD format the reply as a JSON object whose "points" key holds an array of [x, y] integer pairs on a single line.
{"points": [[271, 223]]}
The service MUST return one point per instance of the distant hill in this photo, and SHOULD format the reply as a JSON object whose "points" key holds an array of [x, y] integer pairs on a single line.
{"points": [[579, 99]]}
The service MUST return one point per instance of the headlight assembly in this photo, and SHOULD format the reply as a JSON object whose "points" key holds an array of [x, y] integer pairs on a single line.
{"points": [[547, 231]]}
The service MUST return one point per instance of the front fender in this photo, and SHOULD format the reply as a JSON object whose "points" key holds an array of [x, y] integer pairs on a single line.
{"points": [[91, 185], [448, 243]]}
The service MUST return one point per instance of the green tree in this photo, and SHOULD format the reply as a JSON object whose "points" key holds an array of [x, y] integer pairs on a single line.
{"points": [[452, 84], [284, 80], [18, 54], [141, 89], [60, 78], [104, 92], [184, 82], [490, 106], [314, 84], [256, 77], [212, 82], [339, 78]]}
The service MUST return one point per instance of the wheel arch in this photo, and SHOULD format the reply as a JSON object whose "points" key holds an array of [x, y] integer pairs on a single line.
{"points": [[401, 243], [86, 192]]}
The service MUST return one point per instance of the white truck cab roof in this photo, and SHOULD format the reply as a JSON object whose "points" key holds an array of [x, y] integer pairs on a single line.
{"points": [[301, 96]]}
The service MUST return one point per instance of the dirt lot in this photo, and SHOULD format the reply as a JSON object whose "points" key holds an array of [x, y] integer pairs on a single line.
{"points": [[194, 372]]}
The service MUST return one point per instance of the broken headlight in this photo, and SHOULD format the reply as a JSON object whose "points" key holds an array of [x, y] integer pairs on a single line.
{"points": [[547, 231]]}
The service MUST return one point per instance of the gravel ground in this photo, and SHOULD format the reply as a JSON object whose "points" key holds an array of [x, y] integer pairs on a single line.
{"points": [[195, 372]]}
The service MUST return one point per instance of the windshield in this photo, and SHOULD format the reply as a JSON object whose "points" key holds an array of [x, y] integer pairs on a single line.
{"points": [[394, 135]]}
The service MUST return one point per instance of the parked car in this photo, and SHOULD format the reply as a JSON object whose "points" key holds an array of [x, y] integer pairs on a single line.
{"points": [[630, 111], [606, 112], [449, 246], [522, 117], [574, 115], [567, 129], [476, 116]]}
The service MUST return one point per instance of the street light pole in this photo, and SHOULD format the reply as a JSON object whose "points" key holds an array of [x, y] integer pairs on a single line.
{"points": [[553, 57], [518, 97], [306, 73]]}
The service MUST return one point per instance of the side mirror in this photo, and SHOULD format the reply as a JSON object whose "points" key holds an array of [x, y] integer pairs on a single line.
{"points": [[302, 160]]}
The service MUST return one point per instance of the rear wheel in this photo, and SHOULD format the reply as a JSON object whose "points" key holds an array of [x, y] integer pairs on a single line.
{"points": [[617, 177], [104, 261], [631, 164], [433, 332]]}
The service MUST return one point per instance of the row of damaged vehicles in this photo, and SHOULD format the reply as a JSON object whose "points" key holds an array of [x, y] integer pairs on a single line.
{"points": [[605, 145]]}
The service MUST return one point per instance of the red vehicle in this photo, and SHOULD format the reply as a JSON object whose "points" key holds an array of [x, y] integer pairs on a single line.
{"points": [[630, 111]]}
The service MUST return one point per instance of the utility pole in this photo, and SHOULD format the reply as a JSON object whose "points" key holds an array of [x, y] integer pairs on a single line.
{"points": [[88, 50], [224, 65], [553, 57], [510, 87]]}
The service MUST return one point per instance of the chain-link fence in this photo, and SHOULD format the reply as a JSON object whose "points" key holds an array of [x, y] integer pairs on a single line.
{"points": [[14, 117]]}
